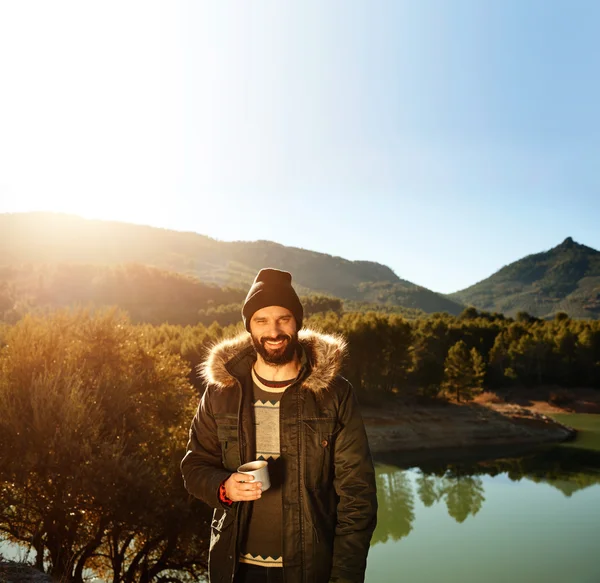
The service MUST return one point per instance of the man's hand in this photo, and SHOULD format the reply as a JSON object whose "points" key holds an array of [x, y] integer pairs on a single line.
{"points": [[242, 488]]}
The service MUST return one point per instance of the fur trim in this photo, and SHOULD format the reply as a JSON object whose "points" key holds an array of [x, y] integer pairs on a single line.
{"points": [[326, 352]]}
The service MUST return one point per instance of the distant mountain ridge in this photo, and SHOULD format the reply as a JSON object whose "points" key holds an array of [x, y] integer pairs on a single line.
{"points": [[43, 238], [565, 278]]}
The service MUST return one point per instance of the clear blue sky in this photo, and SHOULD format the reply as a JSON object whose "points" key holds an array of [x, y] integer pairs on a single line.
{"points": [[444, 138]]}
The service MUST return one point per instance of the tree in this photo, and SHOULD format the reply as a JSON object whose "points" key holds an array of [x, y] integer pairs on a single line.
{"points": [[469, 313], [320, 304], [93, 425], [379, 345], [499, 361], [463, 372], [430, 346], [478, 368]]}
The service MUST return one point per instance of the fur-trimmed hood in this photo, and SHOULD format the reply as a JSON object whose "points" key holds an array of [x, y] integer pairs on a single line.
{"points": [[325, 353]]}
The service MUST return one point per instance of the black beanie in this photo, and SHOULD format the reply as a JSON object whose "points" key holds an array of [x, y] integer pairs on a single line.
{"points": [[272, 287]]}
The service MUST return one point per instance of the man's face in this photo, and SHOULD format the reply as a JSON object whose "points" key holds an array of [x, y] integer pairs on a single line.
{"points": [[274, 334]]}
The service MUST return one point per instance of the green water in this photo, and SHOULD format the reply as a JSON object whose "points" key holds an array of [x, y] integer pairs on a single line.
{"points": [[588, 429], [528, 519]]}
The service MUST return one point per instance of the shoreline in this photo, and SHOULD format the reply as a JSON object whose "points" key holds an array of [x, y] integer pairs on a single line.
{"points": [[416, 429]]}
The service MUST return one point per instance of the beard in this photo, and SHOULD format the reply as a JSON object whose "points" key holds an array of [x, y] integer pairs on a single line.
{"points": [[278, 356]]}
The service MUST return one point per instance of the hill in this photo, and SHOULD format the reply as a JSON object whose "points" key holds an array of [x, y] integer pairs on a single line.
{"points": [[564, 279], [48, 238], [148, 294]]}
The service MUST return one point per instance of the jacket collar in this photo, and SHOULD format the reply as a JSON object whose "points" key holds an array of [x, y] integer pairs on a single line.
{"points": [[232, 358]]}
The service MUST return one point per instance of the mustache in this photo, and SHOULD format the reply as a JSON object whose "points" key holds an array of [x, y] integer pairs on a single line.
{"points": [[275, 338]]}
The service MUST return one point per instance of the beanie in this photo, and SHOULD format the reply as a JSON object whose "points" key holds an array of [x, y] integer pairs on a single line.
{"points": [[272, 287]]}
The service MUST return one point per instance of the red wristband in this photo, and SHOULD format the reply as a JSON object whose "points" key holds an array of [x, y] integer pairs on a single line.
{"points": [[223, 496]]}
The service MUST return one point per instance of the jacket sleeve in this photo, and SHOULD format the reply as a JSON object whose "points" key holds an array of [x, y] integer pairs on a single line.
{"points": [[202, 466], [354, 483]]}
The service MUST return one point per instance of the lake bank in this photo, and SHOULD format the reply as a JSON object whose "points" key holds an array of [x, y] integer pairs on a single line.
{"points": [[401, 427]]}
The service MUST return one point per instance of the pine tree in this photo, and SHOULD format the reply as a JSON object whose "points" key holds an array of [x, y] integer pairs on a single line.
{"points": [[463, 372], [478, 371]]}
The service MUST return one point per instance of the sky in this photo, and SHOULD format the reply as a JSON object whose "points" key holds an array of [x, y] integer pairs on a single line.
{"points": [[443, 138]]}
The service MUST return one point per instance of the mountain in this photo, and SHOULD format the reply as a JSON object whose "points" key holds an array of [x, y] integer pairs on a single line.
{"points": [[147, 293], [564, 279], [49, 238]]}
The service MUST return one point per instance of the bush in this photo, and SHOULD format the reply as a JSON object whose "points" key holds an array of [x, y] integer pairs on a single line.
{"points": [[561, 397], [489, 398], [93, 426]]}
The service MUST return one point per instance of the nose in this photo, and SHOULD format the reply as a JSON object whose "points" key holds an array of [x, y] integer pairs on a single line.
{"points": [[274, 330]]}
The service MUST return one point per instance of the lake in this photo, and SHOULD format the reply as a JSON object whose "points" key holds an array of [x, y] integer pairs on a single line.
{"points": [[487, 519], [522, 519]]}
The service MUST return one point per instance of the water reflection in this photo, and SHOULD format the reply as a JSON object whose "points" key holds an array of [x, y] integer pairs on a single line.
{"points": [[396, 506], [460, 485], [129, 550], [464, 496]]}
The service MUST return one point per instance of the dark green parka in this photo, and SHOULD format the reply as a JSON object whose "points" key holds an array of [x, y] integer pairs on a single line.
{"points": [[328, 494]]}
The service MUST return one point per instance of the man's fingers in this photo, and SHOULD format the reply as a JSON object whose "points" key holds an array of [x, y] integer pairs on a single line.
{"points": [[249, 487], [246, 496], [243, 495], [242, 488], [243, 478]]}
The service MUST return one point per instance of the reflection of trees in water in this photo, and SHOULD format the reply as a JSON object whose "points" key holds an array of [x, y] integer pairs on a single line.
{"points": [[396, 505], [463, 494], [567, 469], [460, 485], [428, 489]]}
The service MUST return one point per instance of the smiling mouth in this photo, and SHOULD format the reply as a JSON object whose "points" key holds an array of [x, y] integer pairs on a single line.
{"points": [[275, 343]]}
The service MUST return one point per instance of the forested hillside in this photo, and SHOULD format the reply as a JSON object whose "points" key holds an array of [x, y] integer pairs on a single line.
{"points": [[148, 294], [55, 248], [44, 238], [563, 279]]}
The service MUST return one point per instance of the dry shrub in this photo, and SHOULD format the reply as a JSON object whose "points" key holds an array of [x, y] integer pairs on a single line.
{"points": [[561, 397], [489, 398]]}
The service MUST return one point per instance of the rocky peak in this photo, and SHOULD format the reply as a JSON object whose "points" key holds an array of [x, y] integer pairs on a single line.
{"points": [[568, 243]]}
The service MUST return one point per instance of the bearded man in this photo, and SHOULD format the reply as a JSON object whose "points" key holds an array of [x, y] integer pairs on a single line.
{"points": [[276, 394]]}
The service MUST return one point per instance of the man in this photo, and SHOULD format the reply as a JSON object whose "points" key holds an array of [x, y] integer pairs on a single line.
{"points": [[276, 394]]}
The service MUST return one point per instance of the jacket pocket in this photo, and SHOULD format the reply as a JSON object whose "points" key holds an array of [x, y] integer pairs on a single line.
{"points": [[230, 447], [319, 448]]}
